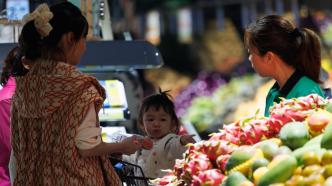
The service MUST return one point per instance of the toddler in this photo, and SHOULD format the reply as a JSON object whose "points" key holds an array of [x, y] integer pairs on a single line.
{"points": [[157, 119]]}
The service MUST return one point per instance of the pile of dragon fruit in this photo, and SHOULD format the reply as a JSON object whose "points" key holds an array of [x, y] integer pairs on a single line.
{"points": [[204, 162]]}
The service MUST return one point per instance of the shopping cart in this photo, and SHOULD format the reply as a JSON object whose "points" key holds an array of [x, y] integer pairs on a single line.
{"points": [[130, 174]]}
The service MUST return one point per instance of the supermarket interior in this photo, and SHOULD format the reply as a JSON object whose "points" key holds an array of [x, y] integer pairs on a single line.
{"points": [[199, 52]]}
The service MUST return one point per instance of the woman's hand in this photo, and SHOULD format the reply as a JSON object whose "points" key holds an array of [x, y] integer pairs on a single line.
{"points": [[130, 145], [185, 139]]}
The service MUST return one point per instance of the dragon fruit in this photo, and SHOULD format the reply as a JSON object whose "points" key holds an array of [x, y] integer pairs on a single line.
{"points": [[169, 179], [222, 160], [212, 148], [212, 177]]}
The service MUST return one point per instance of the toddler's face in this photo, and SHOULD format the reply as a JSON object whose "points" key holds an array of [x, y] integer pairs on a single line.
{"points": [[157, 123]]}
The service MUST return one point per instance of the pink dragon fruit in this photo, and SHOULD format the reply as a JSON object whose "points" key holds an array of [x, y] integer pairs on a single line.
{"points": [[195, 164], [212, 148], [167, 180], [222, 161], [212, 177]]}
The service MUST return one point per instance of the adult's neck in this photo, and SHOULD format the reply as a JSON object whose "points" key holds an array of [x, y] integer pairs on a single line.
{"points": [[283, 73]]}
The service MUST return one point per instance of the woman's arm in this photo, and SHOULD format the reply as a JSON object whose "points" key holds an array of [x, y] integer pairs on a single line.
{"points": [[88, 139], [127, 146]]}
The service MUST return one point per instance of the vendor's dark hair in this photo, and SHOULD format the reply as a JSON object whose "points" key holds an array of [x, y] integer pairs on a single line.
{"points": [[66, 18], [160, 100], [298, 47], [12, 65]]}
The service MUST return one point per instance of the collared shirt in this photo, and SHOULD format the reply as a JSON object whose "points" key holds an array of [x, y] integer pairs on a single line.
{"points": [[296, 86]]}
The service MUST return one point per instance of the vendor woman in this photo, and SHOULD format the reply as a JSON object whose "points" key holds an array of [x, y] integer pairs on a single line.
{"points": [[288, 54]]}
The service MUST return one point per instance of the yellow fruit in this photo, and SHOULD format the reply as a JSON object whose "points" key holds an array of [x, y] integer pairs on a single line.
{"points": [[245, 167], [310, 158], [295, 180], [327, 158], [247, 183], [328, 181], [277, 184], [311, 169], [327, 171], [298, 171], [259, 162], [314, 179], [277, 159], [276, 140], [269, 149], [258, 173]]}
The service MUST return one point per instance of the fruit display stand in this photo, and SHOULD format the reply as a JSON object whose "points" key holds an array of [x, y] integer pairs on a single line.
{"points": [[291, 147]]}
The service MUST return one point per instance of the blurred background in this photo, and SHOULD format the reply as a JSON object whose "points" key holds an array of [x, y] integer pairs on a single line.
{"points": [[206, 67]]}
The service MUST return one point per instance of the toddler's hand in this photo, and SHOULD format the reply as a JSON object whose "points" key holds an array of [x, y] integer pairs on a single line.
{"points": [[185, 139], [130, 145]]}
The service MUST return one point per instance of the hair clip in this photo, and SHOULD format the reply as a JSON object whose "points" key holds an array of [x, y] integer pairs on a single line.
{"points": [[41, 17]]}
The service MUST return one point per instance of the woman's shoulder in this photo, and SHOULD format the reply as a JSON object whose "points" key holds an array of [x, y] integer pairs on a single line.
{"points": [[307, 83], [307, 80], [73, 72], [307, 86]]}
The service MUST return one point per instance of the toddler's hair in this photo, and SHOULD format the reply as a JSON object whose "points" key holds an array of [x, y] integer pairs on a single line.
{"points": [[160, 100]]}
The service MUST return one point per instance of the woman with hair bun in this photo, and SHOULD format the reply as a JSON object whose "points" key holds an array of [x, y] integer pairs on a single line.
{"points": [[56, 136]]}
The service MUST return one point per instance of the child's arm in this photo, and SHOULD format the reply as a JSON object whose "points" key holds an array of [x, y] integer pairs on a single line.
{"points": [[175, 146]]}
